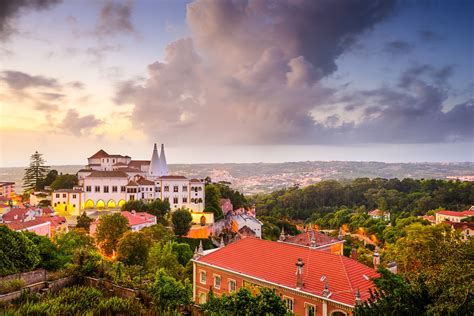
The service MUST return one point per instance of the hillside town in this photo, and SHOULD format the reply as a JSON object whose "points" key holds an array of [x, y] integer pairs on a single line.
{"points": [[314, 267]]}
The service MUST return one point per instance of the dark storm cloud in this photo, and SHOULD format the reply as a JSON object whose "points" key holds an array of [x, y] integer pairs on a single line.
{"points": [[18, 80], [251, 70], [9, 9], [398, 47], [76, 124], [115, 18]]}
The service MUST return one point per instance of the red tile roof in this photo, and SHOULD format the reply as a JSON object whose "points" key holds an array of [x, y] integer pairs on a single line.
{"points": [[55, 220], [143, 181], [15, 214], [120, 164], [377, 212], [460, 225], [25, 225], [100, 154], [274, 262], [138, 218], [132, 183], [458, 214], [304, 239], [195, 180], [138, 163], [171, 177], [108, 174]]}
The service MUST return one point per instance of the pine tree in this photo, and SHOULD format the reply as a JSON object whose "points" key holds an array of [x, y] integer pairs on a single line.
{"points": [[35, 173]]}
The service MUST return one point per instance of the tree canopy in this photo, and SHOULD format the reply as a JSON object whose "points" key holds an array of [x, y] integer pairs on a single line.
{"points": [[17, 252], [110, 229], [182, 221], [35, 173]]}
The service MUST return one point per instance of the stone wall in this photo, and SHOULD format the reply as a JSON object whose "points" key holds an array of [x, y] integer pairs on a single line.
{"points": [[117, 290], [31, 277]]}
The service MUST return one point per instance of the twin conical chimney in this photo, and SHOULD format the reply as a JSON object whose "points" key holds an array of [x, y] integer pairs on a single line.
{"points": [[158, 166]]}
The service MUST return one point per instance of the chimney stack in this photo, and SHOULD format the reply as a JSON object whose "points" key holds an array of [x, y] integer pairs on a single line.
{"points": [[282, 234], [312, 243], [299, 273], [358, 300], [376, 258], [326, 291]]}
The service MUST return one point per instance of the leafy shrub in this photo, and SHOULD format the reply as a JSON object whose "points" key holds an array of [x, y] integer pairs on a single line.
{"points": [[116, 306], [11, 285]]}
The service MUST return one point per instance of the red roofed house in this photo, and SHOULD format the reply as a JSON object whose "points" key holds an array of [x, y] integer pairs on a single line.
{"points": [[452, 216], [315, 240], [41, 226], [466, 229], [379, 214], [310, 282]]}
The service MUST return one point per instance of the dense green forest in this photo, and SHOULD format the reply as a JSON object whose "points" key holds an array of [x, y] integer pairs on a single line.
{"points": [[403, 198]]}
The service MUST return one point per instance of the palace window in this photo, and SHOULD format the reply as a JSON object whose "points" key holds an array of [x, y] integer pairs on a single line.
{"points": [[74, 205], [64, 195], [200, 188], [106, 189], [175, 188], [122, 188], [132, 197], [199, 200], [88, 188], [202, 277], [309, 309], [185, 200], [157, 189], [166, 188], [289, 303], [166, 199], [97, 188], [114, 188], [217, 281], [185, 188], [175, 200], [57, 195], [232, 286], [73, 196]]}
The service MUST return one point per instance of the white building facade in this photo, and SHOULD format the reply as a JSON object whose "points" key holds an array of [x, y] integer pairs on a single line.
{"points": [[108, 181]]}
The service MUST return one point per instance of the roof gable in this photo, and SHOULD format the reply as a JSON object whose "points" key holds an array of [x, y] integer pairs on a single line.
{"points": [[100, 154]]}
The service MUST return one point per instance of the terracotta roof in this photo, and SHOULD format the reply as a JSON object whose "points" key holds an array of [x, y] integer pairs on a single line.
{"points": [[85, 170], [171, 177], [195, 180], [6, 183], [138, 218], [100, 154], [120, 164], [138, 163], [54, 220], [304, 239], [15, 214], [378, 212], [48, 210], [132, 183], [274, 262], [25, 225], [118, 156], [107, 174], [129, 170], [458, 214], [68, 190], [143, 181]]}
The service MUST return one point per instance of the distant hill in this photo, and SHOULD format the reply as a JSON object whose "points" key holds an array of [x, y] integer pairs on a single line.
{"points": [[264, 177]]}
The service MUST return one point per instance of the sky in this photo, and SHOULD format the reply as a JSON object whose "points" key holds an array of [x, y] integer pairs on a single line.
{"points": [[237, 81]]}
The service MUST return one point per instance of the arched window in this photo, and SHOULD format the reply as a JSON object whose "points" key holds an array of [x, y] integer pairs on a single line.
{"points": [[89, 204], [100, 204], [338, 313], [111, 204]]}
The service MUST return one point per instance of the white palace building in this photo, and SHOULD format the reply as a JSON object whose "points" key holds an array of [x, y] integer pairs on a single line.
{"points": [[108, 181]]}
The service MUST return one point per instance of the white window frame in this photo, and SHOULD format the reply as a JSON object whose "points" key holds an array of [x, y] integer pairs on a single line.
{"points": [[306, 305], [229, 281], [201, 273], [287, 299], [215, 277]]}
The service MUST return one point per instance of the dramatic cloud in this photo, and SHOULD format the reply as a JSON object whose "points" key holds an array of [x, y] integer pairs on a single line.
{"points": [[115, 18], [18, 80], [76, 124], [398, 47], [251, 71], [12, 8]]}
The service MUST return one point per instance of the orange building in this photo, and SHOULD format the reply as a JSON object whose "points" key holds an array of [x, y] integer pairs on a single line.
{"points": [[310, 282]]}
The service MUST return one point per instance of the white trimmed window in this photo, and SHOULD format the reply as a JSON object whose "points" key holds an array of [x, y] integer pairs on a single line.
{"points": [[202, 277], [309, 309], [289, 303], [232, 286], [217, 281]]}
